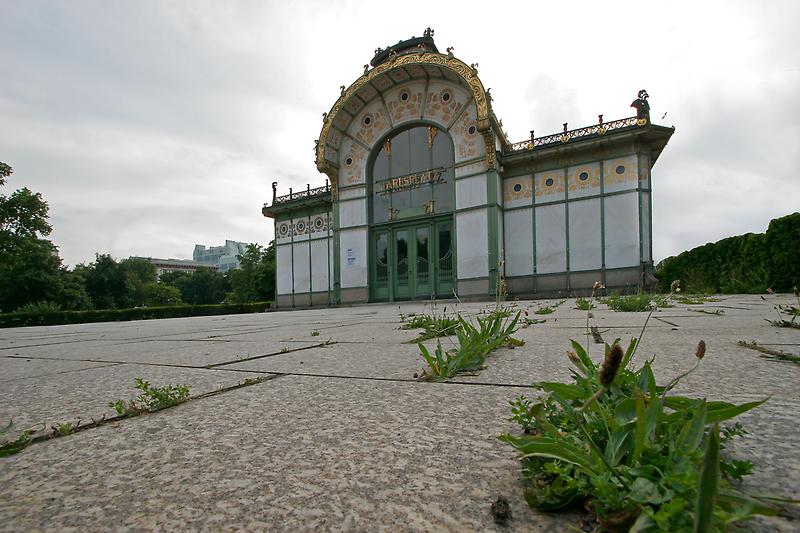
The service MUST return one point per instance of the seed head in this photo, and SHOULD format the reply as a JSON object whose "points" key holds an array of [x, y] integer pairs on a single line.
{"points": [[675, 286], [573, 357], [598, 285], [701, 349], [769, 290], [611, 366]]}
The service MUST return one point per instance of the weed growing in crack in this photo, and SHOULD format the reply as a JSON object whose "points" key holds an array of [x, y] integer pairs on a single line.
{"points": [[151, 399], [717, 312], [474, 343], [639, 458], [11, 447], [691, 299], [584, 304], [433, 326], [768, 353], [788, 310], [633, 303], [64, 429], [315, 333]]}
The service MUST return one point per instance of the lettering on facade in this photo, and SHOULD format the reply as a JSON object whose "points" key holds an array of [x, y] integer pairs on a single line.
{"points": [[412, 181]]}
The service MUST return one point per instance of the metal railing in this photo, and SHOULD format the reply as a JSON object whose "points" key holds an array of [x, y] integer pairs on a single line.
{"points": [[307, 193], [567, 135]]}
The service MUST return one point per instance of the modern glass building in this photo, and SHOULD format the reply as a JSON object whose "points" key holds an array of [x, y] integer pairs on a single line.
{"points": [[426, 197]]}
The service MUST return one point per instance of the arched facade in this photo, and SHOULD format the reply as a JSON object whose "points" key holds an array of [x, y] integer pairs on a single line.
{"points": [[427, 198]]}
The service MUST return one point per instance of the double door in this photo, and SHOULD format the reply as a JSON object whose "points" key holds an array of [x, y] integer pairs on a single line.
{"points": [[412, 261]]}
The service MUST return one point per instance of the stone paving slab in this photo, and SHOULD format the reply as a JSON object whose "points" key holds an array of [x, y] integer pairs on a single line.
{"points": [[85, 394], [191, 353], [290, 454], [359, 360], [13, 369], [331, 444]]}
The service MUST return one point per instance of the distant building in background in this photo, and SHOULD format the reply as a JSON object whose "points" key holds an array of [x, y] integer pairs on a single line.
{"points": [[223, 257], [164, 266]]}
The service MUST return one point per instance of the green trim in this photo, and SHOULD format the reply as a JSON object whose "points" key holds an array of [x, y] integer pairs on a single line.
{"points": [[566, 220], [602, 225], [493, 237], [337, 260], [348, 187]]}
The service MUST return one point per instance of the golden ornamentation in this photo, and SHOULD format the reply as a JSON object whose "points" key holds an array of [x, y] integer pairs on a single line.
{"points": [[641, 122], [432, 131], [467, 74], [387, 147]]}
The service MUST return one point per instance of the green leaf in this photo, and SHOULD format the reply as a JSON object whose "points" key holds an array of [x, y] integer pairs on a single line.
{"points": [[619, 444], [630, 352], [707, 484], [641, 426], [721, 411], [692, 433], [647, 381], [535, 446], [625, 411], [565, 390], [731, 498], [645, 491], [584, 357]]}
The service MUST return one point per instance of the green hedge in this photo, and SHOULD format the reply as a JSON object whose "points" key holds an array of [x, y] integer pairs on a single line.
{"points": [[11, 320], [748, 263]]}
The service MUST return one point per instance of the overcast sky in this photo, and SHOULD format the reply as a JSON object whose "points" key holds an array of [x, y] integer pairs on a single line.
{"points": [[150, 126]]}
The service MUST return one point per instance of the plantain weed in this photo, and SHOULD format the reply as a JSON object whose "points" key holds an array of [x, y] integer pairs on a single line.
{"points": [[474, 343], [584, 304], [615, 442]]}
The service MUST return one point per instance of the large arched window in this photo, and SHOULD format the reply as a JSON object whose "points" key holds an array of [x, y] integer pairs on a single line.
{"points": [[412, 175]]}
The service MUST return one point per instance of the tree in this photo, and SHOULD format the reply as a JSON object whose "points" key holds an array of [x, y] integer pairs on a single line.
{"points": [[106, 283], [254, 281], [158, 294], [204, 286], [30, 269]]}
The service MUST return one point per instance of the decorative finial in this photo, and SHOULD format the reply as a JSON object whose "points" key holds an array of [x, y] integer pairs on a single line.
{"points": [[341, 88], [489, 95], [366, 68], [274, 191], [392, 55], [565, 127], [600, 119], [324, 117], [450, 51], [378, 50], [532, 135], [428, 32], [474, 67]]}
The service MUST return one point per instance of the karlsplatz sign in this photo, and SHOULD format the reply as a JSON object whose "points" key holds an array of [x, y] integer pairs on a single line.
{"points": [[411, 181]]}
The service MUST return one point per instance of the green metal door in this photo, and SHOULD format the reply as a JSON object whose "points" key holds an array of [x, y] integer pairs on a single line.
{"points": [[402, 285], [443, 258], [380, 270], [421, 260]]}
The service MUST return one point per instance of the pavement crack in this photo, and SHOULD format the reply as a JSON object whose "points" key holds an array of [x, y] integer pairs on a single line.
{"points": [[253, 358]]}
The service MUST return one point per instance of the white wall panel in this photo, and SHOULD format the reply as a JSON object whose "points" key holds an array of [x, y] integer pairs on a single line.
{"points": [[471, 191], [622, 230], [549, 186], [551, 239], [584, 180], [472, 234], [518, 228], [352, 213], [319, 265], [585, 250], [353, 257], [517, 191], [349, 194], [302, 267], [620, 174], [283, 262]]}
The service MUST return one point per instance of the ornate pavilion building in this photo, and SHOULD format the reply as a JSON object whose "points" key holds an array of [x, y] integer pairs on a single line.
{"points": [[426, 197]]}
